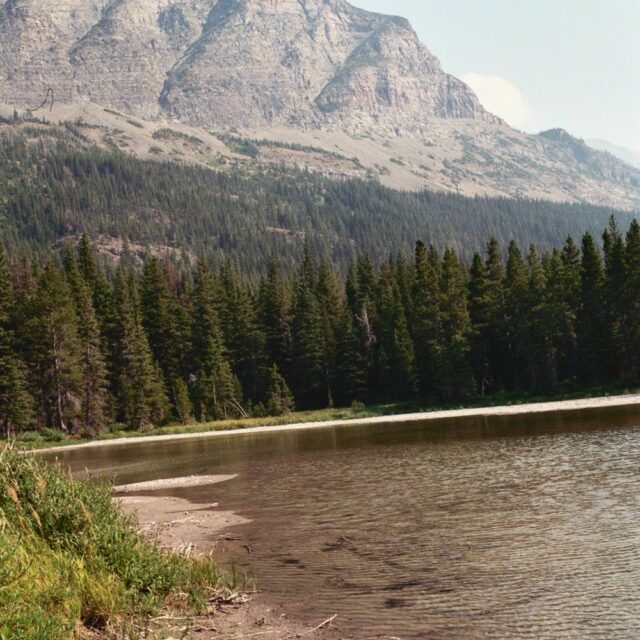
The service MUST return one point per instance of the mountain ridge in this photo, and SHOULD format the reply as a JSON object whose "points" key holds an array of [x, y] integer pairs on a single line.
{"points": [[314, 73]]}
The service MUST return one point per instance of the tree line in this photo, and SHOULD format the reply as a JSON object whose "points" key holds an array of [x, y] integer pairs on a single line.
{"points": [[79, 351]]}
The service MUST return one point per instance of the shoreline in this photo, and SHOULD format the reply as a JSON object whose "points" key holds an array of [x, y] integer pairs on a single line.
{"points": [[602, 402], [180, 526]]}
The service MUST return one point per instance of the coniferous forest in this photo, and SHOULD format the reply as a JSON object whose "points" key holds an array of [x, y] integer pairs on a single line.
{"points": [[55, 186], [81, 349]]}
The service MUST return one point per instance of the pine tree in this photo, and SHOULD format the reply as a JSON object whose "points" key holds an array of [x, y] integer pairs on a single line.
{"points": [[16, 404], [243, 336], [518, 365], [279, 397], [182, 401], [164, 321], [566, 297], [273, 313], [140, 389], [308, 369], [614, 283], [453, 375], [55, 350], [495, 328], [479, 314], [425, 318], [98, 286], [592, 322], [632, 299], [93, 370], [544, 326], [218, 394], [350, 375], [396, 365], [330, 302]]}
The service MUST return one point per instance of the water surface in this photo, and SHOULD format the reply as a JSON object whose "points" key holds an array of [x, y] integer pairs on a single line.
{"points": [[502, 527]]}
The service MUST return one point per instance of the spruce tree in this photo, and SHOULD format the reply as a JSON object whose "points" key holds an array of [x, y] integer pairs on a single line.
{"points": [[279, 397], [614, 284], [55, 350], [517, 361], [495, 328], [218, 394], [592, 318], [182, 401], [453, 375], [242, 332], [140, 389], [425, 318], [164, 321], [308, 370], [93, 370], [479, 313], [350, 375], [16, 404], [274, 318], [632, 300]]}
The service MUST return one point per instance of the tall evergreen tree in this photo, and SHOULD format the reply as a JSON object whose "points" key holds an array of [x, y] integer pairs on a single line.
{"points": [[165, 322], [243, 338], [308, 378], [141, 392], [517, 361], [55, 350], [16, 404], [93, 370], [632, 300], [350, 375], [592, 320], [425, 318], [274, 318], [218, 394], [614, 282], [279, 397], [453, 374]]}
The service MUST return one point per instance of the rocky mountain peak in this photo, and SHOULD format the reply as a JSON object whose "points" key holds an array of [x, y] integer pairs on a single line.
{"points": [[230, 63], [303, 73]]}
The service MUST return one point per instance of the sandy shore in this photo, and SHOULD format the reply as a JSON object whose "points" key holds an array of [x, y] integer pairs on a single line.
{"points": [[173, 483], [504, 410], [181, 526]]}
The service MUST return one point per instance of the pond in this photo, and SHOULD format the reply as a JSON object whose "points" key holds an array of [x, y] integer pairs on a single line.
{"points": [[505, 527]]}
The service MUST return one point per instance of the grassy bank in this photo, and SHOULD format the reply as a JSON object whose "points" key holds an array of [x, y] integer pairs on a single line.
{"points": [[71, 563], [50, 438]]}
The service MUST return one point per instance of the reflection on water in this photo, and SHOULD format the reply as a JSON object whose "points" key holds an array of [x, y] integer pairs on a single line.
{"points": [[509, 527]]}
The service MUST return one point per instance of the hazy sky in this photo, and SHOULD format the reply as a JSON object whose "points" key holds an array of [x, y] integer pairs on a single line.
{"points": [[539, 64]]}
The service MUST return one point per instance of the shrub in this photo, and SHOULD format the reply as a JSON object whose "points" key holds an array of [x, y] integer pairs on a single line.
{"points": [[69, 558]]}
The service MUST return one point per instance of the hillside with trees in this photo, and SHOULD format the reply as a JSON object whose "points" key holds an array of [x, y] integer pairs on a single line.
{"points": [[56, 186]]}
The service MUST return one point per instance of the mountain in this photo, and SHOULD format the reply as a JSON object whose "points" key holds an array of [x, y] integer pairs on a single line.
{"points": [[240, 63], [630, 156], [319, 83]]}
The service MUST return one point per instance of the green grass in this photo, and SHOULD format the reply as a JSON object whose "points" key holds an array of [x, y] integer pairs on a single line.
{"points": [[50, 438], [70, 561]]}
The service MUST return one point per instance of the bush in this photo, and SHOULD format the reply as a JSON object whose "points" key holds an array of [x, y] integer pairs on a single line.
{"points": [[70, 558]]}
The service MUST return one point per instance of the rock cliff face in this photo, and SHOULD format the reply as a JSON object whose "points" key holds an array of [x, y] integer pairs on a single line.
{"points": [[230, 63], [322, 74]]}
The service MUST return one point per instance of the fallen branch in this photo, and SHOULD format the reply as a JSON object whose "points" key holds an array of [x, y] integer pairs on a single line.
{"points": [[324, 624]]}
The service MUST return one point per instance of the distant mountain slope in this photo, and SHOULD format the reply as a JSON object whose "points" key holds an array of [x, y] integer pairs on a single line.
{"points": [[55, 185], [318, 73], [622, 153]]}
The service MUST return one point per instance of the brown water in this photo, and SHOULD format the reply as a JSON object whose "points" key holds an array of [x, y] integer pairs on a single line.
{"points": [[509, 527]]}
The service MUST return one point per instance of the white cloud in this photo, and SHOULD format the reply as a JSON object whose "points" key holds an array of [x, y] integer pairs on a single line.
{"points": [[501, 97]]}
